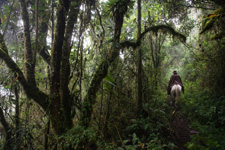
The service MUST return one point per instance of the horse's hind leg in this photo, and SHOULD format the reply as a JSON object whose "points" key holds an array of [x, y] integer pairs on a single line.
{"points": [[173, 102], [178, 95], [173, 98]]}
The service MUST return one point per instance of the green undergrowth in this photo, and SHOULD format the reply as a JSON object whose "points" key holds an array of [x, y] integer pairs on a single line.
{"points": [[206, 112], [78, 138], [151, 128], [148, 129]]}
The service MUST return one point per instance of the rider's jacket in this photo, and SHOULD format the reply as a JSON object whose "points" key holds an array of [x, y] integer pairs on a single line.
{"points": [[174, 79]]}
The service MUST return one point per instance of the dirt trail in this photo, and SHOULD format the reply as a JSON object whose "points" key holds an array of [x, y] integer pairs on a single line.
{"points": [[180, 130]]}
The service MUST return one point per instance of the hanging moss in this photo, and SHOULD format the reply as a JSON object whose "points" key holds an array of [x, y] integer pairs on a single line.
{"points": [[155, 29]]}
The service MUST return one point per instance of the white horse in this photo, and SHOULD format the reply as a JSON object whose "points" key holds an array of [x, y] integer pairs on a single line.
{"points": [[175, 93]]}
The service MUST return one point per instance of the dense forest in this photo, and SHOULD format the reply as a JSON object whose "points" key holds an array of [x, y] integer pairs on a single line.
{"points": [[93, 74]]}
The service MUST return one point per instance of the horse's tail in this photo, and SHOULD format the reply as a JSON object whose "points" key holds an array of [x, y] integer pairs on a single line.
{"points": [[178, 91]]}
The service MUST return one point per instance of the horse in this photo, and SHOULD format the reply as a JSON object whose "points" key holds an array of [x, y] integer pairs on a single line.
{"points": [[175, 93]]}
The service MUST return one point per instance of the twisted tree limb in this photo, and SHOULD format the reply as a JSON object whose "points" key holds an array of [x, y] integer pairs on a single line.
{"points": [[32, 91], [164, 28]]}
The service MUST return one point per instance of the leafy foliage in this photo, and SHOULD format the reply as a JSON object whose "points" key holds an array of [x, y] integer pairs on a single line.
{"points": [[214, 20], [208, 119], [115, 121], [79, 138]]}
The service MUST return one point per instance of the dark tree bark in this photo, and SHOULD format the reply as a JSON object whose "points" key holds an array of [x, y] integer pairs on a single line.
{"points": [[105, 128], [65, 94], [46, 135], [57, 112], [17, 119], [60, 68], [31, 91], [28, 54], [7, 129], [36, 30], [58, 105], [139, 64], [81, 67]]}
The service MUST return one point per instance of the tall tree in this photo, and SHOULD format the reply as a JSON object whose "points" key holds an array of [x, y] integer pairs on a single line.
{"points": [[139, 64], [57, 104], [118, 11], [7, 129]]}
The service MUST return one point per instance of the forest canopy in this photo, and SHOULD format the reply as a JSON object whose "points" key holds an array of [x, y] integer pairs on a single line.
{"points": [[94, 74]]}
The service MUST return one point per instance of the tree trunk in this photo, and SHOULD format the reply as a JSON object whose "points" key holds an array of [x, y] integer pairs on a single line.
{"points": [[7, 129], [28, 54], [36, 30], [61, 99], [58, 116], [46, 135], [101, 72], [31, 91], [105, 128], [17, 116], [139, 64], [58, 104]]}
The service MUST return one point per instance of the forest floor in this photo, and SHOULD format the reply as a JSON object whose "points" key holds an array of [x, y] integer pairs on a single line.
{"points": [[181, 131]]}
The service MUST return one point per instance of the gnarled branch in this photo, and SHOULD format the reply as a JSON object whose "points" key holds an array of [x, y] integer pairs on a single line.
{"points": [[155, 29], [30, 90]]}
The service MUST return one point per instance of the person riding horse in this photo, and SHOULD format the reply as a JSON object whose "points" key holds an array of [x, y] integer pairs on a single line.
{"points": [[174, 79]]}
